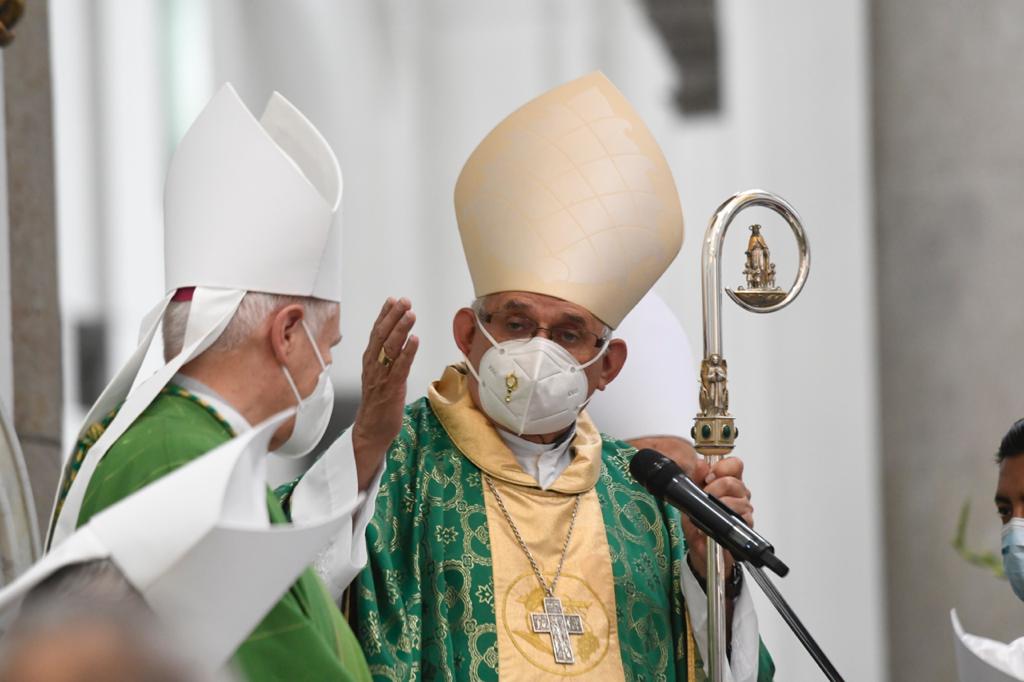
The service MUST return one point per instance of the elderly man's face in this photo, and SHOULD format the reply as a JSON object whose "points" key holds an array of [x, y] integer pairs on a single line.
{"points": [[292, 349], [1010, 488], [570, 325]]}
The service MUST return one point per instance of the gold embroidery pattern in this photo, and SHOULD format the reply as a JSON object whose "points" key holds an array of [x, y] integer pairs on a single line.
{"points": [[525, 597], [426, 604]]}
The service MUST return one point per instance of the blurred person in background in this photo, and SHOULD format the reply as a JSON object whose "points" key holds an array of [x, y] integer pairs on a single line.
{"points": [[86, 623], [974, 652], [1010, 504], [654, 399]]}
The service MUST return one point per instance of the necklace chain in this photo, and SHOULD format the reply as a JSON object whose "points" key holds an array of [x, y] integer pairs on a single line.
{"points": [[522, 543]]}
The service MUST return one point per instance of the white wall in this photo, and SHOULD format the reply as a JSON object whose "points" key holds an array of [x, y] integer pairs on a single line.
{"points": [[111, 150], [6, 348], [802, 381], [404, 89]]}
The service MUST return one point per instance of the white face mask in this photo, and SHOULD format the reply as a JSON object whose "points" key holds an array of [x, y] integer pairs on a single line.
{"points": [[312, 413], [531, 386]]}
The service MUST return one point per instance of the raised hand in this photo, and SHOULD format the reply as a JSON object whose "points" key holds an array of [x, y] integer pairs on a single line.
{"points": [[386, 363]]}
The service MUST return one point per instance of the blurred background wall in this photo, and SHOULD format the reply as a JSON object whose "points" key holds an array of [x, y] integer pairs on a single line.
{"points": [[949, 172], [869, 409]]}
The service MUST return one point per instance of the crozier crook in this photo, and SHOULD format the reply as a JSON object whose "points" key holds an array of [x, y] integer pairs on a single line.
{"points": [[714, 431]]}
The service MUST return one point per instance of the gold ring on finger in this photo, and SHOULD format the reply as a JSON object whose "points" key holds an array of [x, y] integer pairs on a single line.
{"points": [[383, 358]]}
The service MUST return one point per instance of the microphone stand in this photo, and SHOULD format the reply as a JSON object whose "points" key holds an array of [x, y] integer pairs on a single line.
{"points": [[788, 615]]}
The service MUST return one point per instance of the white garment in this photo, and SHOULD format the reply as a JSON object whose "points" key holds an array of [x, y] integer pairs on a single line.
{"points": [[743, 664], [980, 659], [546, 462], [329, 486]]}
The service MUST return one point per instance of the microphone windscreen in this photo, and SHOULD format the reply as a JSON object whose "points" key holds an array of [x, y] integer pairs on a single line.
{"points": [[653, 470]]}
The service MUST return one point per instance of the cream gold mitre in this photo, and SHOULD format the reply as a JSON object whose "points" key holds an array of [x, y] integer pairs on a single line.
{"points": [[199, 546], [570, 196], [249, 205]]}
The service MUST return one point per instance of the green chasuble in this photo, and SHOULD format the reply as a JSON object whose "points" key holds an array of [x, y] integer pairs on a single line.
{"points": [[304, 637], [448, 593]]}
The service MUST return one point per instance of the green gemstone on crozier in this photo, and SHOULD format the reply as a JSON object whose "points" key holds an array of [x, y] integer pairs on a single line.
{"points": [[705, 431], [726, 431]]}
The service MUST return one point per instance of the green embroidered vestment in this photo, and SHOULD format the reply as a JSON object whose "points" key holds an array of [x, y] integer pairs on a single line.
{"points": [[425, 605], [304, 636]]}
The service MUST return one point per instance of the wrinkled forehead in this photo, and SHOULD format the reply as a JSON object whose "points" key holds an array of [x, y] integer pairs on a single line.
{"points": [[543, 308]]}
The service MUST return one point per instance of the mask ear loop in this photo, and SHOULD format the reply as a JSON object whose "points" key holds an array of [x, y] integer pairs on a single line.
{"points": [[487, 335], [594, 359], [320, 359], [312, 341], [588, 363]]}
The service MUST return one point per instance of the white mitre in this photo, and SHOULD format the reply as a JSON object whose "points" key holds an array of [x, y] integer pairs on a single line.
{"points": [[655, 394], [199, 546], [570, 196], [249, 205]]}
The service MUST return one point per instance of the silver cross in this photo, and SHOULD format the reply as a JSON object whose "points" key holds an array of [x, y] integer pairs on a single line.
{"points": [[559, 625]]}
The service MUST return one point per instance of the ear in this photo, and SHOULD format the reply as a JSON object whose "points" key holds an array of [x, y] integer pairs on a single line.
{"points": [[464, 329], [612, 362], [286, 331]]}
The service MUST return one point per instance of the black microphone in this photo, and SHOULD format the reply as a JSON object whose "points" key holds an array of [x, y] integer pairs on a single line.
{"points": [[665, 480]]}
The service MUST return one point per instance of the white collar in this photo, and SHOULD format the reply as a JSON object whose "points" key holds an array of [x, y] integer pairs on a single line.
{"points": [[228, 413], [545, 462]]}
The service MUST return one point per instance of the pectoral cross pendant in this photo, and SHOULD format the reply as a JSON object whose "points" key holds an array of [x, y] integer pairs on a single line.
{"points": [[559, 625]]}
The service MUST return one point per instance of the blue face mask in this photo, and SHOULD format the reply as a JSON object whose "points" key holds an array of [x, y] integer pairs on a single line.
{"points": [[1013, 555]]}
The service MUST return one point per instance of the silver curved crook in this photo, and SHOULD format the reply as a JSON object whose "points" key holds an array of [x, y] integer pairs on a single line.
{"points": [[714, 432], [711, 265]]}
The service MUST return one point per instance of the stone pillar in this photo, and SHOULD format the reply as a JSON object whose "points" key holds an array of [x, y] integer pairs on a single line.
{"points": [[35, 311], [949, 172]]}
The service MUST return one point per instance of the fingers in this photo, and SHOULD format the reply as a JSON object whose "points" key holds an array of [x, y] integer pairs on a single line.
{"points": [[396, 340], [727, 487], [734, 495], [389, 316], [700, 471], [400, 369], [730, 466], [383, 311], [730, 488]]}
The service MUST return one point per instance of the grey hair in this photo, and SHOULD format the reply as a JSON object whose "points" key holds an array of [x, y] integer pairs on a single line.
{"points": [[95, 595], [478, 306], [99, 580], [252, 311]]}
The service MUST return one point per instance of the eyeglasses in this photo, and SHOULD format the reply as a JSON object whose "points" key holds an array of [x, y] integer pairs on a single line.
{"points": [[516, 326]]}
